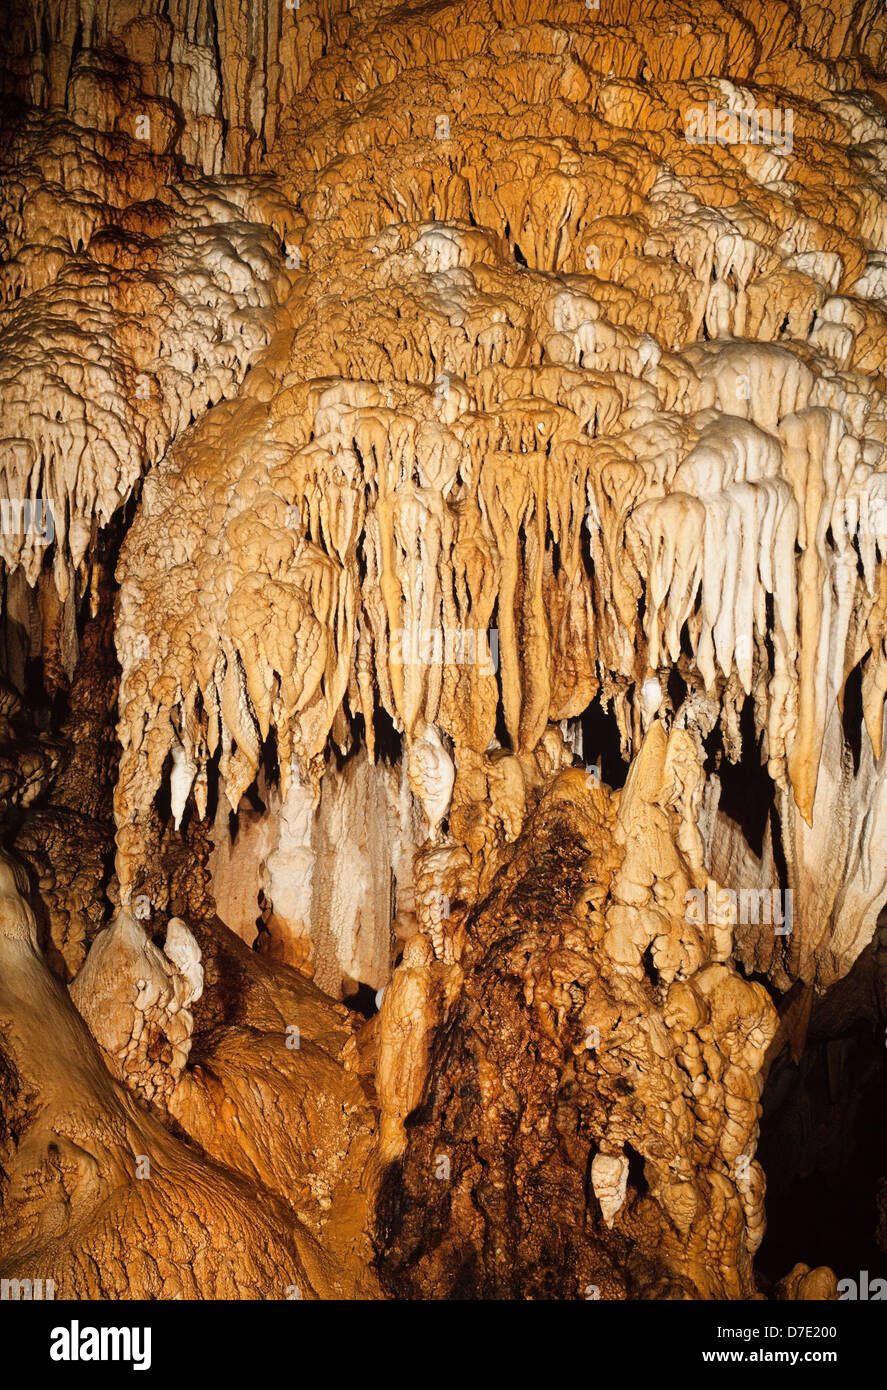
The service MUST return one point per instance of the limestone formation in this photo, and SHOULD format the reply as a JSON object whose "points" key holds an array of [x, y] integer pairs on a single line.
{"points": [[443, 523]]}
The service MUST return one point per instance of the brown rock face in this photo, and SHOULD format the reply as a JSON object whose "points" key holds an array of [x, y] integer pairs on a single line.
{"points": [[586, 1129], [443, 564]]}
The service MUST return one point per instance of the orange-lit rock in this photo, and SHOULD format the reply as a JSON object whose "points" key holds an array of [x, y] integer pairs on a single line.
{"points": [[446, 447]]}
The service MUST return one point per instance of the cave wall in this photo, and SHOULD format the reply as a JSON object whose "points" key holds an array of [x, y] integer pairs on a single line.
{"points": [[410, 418]]}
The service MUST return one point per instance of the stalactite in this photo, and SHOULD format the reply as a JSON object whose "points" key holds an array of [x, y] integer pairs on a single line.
{"points": [[411, 417]]}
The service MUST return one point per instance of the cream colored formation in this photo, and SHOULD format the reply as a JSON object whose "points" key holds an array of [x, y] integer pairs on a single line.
{"points": [[101, 1197], [445, 328], [131, 303], [135, 998], [736, 486]]}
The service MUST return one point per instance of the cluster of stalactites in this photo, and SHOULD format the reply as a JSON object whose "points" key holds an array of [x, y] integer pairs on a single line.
{"points": [[129, 304], [485, 539], [207, 82]]}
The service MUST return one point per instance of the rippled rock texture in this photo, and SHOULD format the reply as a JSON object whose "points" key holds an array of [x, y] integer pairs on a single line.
{"points": [[443, 652]]}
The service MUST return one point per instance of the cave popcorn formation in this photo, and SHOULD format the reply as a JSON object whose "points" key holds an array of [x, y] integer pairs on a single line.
{"points": [[387, 395]]}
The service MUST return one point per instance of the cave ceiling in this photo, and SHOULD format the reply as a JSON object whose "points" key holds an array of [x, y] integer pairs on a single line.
{"points": [[443, 561]]}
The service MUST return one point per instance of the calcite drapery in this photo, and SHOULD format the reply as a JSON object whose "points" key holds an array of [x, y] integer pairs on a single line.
{"points": [[449, 371]]}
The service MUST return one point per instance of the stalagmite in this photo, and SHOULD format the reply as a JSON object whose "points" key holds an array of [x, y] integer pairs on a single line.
{"points": [[443, 525]]}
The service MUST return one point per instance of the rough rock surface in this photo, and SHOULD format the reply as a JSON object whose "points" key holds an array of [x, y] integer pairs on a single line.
{"points": [[444, 563]]}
